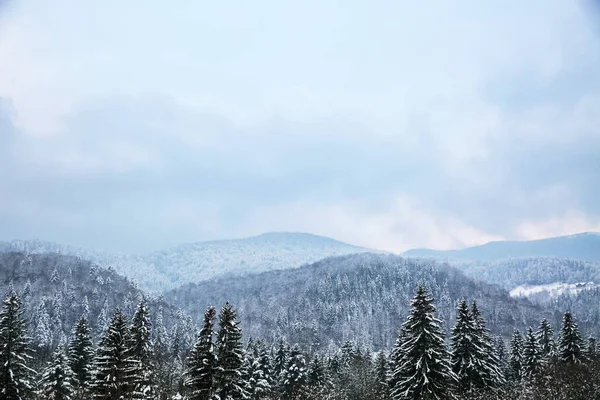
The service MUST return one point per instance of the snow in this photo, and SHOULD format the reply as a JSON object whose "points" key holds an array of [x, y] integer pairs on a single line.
{"points": [[552, 289]]}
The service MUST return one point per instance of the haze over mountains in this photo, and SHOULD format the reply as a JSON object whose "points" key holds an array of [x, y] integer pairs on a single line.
{"points": [[583, 246], [196, 262]]}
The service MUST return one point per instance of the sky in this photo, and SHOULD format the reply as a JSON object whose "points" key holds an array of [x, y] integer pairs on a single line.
{"points": [[139, 125]]}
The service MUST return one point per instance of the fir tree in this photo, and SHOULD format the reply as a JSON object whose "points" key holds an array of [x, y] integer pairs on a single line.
{"points": [[570, 349], [516, 356], [57, 378], [545, 337], [15, 374], [466, 360], [202, 366], [294, 376], [492, 375], [141, 350], [280, 360], [230, 356], [382, 372], [531, 356], [592, 349], [113, 363], [259, 373], [81, 357], [424, 370]]}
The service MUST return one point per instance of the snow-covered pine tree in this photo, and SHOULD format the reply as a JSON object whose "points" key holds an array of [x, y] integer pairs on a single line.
{"points": [[592, 349], [201, 364], [382, 371], [15, 374], [515, 362], [545, 337], [466, 356], [532, 361], [259, 372], [42, 333], [280, 360], [141, 351], [492, 374], [230, 356], [57, 378], [81, 358], [113, 363], [424, 370], [571, 347], [294, 376]]}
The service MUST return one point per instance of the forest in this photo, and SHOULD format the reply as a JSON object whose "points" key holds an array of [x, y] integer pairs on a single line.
{"points": [[135, 359]]}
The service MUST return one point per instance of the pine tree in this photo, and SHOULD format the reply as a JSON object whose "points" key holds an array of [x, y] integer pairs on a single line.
{"points": [[382, 372], [280, 360], [545, 337], [531, 356], [259, 372], [81, 357], [57, 378], [516, 356], [570, 349], [492, 374], [202, 362], [15, 374], [424, 370], [141, 350], [113, 363], [592, 349], [466, 361], [230, 356], [294, 376]]}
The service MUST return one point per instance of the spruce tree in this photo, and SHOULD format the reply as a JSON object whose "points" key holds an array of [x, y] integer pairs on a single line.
{"points": [[113, 363], [382, 372], [592, 349], [201, 368], [15, 374], [492, 374], [466, 360], [280, 361], [531, 356], [424, 370], [81, 357], [230, 356], [294, 376], [57, 378], [545, 337], [516, 356], [141, 352], [259, 372], [571, 348]]}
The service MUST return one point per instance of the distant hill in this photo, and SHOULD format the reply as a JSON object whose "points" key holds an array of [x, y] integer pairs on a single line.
{"points": [[204, 260], [583, 246], [363, 297]]}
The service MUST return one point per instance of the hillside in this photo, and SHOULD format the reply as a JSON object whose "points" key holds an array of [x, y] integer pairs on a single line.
{"points": [[57, 289], [364, 297], [583, 246], [195, 262]]}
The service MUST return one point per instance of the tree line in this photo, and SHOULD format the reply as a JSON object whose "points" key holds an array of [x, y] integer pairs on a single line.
{"points": [[134, 361]]}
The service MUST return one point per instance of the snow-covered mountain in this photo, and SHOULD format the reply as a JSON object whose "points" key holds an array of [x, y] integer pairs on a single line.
{"points": [[200, 261], [583, 246]]}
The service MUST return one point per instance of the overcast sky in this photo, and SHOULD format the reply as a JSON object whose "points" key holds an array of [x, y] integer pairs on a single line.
{"points": [[135, 125]]}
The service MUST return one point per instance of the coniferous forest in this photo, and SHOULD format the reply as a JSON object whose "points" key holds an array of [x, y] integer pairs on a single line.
{"points": [[135, 359]]}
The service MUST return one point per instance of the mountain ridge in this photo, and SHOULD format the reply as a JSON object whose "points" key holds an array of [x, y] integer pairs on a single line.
{"points": [[580, 246]]}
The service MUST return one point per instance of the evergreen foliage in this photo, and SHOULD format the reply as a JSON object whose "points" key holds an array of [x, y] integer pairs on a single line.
{"points": [[230, 353], [202, 362], [532, 359], [571, 348], [16, 377], [424, 370], [516, 357], [57, 378], [81, 357]]}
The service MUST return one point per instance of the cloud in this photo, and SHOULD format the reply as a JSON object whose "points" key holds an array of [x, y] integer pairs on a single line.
{"points": [[392, 126]]}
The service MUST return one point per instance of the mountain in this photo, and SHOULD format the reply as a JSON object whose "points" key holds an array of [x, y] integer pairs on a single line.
{"points": [[362, 297], [195, 262], [57, 289], [583, 246]]}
